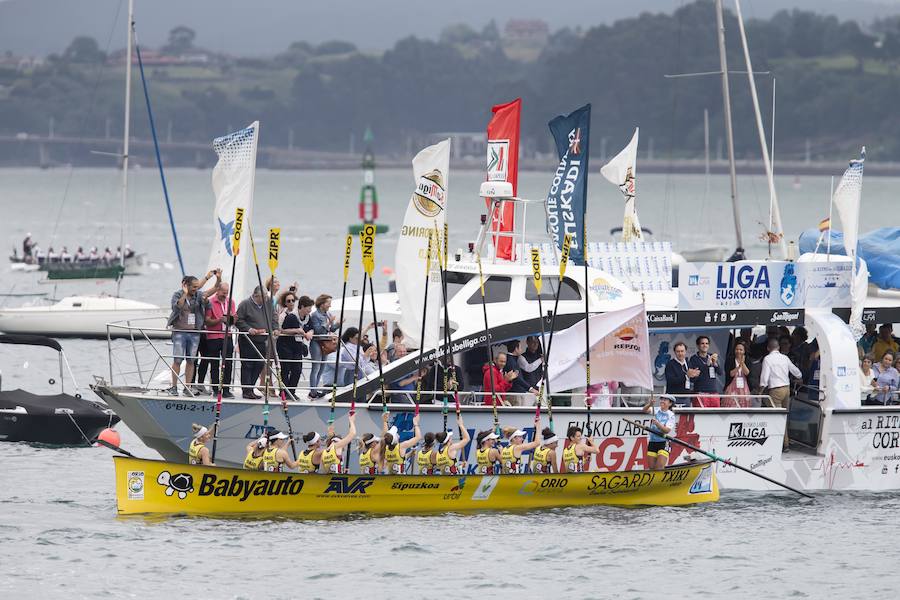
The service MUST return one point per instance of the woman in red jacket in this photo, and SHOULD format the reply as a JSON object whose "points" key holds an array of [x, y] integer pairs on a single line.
{"points": [[502, 381]]}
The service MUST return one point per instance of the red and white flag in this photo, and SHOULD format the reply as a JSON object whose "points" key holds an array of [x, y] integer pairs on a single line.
{"points": [[503, 165]]}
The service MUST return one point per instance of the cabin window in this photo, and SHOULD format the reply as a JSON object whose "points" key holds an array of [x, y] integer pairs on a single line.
{"points": [[570, 290], [456, 281], [496, 289]]}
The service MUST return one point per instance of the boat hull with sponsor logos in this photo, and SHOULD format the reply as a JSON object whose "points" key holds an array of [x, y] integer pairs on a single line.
{"points": [[743, 435], [160, 487]]}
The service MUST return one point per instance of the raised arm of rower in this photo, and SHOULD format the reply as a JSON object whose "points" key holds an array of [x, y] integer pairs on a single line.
{"points": [[351, 434], [457, 446], [414, 439]]}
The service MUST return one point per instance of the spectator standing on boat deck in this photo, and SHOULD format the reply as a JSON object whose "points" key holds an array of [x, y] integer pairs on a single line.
{"points": [[866, 379], [216, 340], [186, 320], [519, 386], [887, 380], [776, 371], [501, 381], [292, 343], [531, 362], [706, 383], [679, 375], [27, 246], [885, 342], [738, 387], [252, 319], [323, 324], [868, 339], [662, 423]]}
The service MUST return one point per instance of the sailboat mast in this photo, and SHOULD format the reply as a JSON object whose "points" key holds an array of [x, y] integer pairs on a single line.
{"points": [[729, 136], [770, 178], [126, 130]]}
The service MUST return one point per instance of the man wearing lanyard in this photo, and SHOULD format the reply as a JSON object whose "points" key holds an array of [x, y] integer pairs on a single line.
{"points": [[678, 376], [706, 383], [219, 318]]}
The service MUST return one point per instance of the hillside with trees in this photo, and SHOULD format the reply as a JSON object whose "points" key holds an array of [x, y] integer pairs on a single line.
{"points": [[837, 86]]}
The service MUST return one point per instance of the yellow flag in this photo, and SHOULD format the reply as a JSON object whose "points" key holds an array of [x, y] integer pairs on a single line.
{"points": [[564, 257], [536, 269], [367, 240], [347, 251], [274, 247], [238, 226]]}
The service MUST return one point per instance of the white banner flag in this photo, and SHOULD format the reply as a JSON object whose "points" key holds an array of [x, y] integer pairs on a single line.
{"points": [[846, 200], [621, 171], [232, 181], [425, 214], [620, 351]]}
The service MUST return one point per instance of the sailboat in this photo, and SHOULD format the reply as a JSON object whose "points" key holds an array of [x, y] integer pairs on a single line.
{"points": [[88, 315]]}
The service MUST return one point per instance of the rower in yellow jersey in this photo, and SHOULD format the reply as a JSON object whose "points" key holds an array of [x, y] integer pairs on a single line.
{"points": [[276, 456], [544, 458], [447, 451], [198, 453], [487, 454], [255, 452], [394, 451], [574, 454], [333, 455], [511, 456], [370, 454], [308, 460]]}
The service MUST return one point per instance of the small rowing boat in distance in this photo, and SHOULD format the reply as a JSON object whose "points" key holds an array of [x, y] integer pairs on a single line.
{"points": [[145, 486]]}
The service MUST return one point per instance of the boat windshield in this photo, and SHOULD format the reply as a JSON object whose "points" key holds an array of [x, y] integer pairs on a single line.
{"points": [[570, 289]]}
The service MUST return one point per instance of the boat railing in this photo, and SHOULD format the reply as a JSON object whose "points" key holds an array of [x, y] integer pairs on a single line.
{"points": [[142, 359], [578, 399]]}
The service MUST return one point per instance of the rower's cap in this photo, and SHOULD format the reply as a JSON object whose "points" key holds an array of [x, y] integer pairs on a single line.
{"points": [[491, 436], [373, 440], [279, 436], [550, 440], [262, 442], [518, 433], [393, 432]]}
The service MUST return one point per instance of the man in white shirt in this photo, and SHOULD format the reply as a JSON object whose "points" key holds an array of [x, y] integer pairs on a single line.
{"points": [[775, 377]]}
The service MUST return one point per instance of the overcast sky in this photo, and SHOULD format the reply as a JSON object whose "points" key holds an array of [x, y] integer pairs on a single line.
{"points": [[261, 27]]}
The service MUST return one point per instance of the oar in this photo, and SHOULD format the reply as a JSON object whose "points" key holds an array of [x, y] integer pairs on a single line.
{"points": [[538, 284], [442, 268], [114, 448], [588, 397], [487, 337], [424, 320], [348, 248], [369, 230], [235, 248], [267, 307], [563, 262], [716, 457]]}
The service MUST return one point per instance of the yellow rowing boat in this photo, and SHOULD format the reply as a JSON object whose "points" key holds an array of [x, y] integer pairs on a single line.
{"points": [[159, 487]]}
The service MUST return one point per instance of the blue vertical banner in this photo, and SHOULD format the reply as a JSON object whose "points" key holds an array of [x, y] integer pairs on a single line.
{"points": [[567, 198]]}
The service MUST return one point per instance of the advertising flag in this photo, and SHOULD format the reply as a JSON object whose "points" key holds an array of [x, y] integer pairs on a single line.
{"points": [[846, 200], [566, 200], [621, 172], [425, 212], [232, 181], [620, 351], [503, 165]]}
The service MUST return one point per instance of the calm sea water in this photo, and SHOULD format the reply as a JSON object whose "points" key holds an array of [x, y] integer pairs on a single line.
{"points": [[60, 537]]}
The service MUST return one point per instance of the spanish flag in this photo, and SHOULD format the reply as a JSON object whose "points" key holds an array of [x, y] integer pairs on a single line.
{"points": [[825, 224]]}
